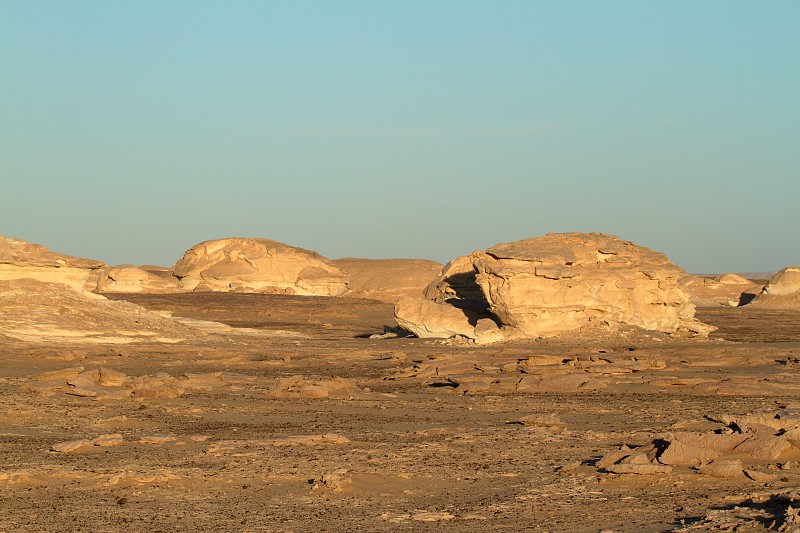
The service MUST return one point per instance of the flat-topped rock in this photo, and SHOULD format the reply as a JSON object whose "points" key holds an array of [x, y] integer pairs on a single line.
{"points": [[387, 279], [24, 260], [257, 265], [550, 285]]}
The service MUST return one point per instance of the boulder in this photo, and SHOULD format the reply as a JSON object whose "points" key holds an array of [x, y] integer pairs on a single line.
{"points": [[725, 289], [24, 260], [387, 279], [550, 285], [428, 319], [128, 279], [257, 265], [782, 291]]}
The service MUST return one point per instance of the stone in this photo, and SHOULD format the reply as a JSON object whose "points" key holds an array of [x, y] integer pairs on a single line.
{"points": [[111, 439], [793, 436], [70, 446], [387, 279], [761, 477], [428, 319], [723, 468], [547, 286], [131, 279], [782, 291], [24, 260], [635, 468], [720, 290], [258, 265], [301, 387], [764, 447], [694, 449]]}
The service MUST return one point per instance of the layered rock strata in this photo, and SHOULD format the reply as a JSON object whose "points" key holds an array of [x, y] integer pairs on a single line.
{"points": [[550, 285]]}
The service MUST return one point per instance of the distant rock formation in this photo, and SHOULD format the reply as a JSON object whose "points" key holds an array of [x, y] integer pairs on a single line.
{"points": [[387, 279], [550, 285], [257, 265], [24, 260], [782, 291], [131, 279], [725, 289]]}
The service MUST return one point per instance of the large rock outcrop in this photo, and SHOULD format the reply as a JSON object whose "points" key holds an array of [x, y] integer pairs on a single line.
{"points": [[725, 289], [387, 279], [24, 260], [782, 291], [257, 265], [550, 285]]}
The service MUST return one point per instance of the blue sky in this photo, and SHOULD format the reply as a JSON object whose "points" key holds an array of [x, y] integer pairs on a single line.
{"points": [[130, 131]]}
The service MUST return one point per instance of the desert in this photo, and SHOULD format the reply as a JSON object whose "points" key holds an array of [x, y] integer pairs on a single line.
{"points": [[567, 382]]}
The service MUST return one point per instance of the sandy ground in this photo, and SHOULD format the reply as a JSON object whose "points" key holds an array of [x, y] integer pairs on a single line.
{"points": [[296, 420]]}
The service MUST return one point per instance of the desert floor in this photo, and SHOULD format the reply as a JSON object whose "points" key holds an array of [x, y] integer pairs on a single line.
{"points": [[296, 420]]}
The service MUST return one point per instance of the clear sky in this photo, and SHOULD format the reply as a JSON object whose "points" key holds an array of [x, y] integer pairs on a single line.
{"points": [[130, 131]]}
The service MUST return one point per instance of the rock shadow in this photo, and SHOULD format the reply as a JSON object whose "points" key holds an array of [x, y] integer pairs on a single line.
{"points": [[779, 512], [469, 297]]}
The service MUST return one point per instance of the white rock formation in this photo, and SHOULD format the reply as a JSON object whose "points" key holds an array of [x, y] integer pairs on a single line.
{"points": [[549, 285], [24, 260], [782, 291], [725, 289], [131, 279], [257, 265]]}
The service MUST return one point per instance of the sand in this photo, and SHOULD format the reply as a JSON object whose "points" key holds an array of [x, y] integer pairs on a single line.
{"points": [[291, 418]]}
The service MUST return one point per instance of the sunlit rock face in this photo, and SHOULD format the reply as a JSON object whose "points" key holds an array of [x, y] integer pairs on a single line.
{"points": [[24, 260], [782, 291], [725, 289], [550, 285], [257, 265], [37, 311]]}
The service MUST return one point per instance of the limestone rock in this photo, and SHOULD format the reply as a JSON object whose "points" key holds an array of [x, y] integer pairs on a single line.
{"points": [[24, 260], [258, 265], [550, 285], [725, 468], [428, 319], [720, 290], [128, 278], [301, 387], [387, 279], [782, 291], [32, 310]]}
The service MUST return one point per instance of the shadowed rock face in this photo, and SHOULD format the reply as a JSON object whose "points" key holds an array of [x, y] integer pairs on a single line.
{"points": [[24, 260], [781, 291], [549, 285], [387, 279], [257, 265]]}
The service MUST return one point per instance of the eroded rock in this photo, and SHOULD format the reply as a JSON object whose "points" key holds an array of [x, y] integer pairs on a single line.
{"points": [[782, 291], [24, 260], [258, 265], [131, 279], [558, 283]]}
